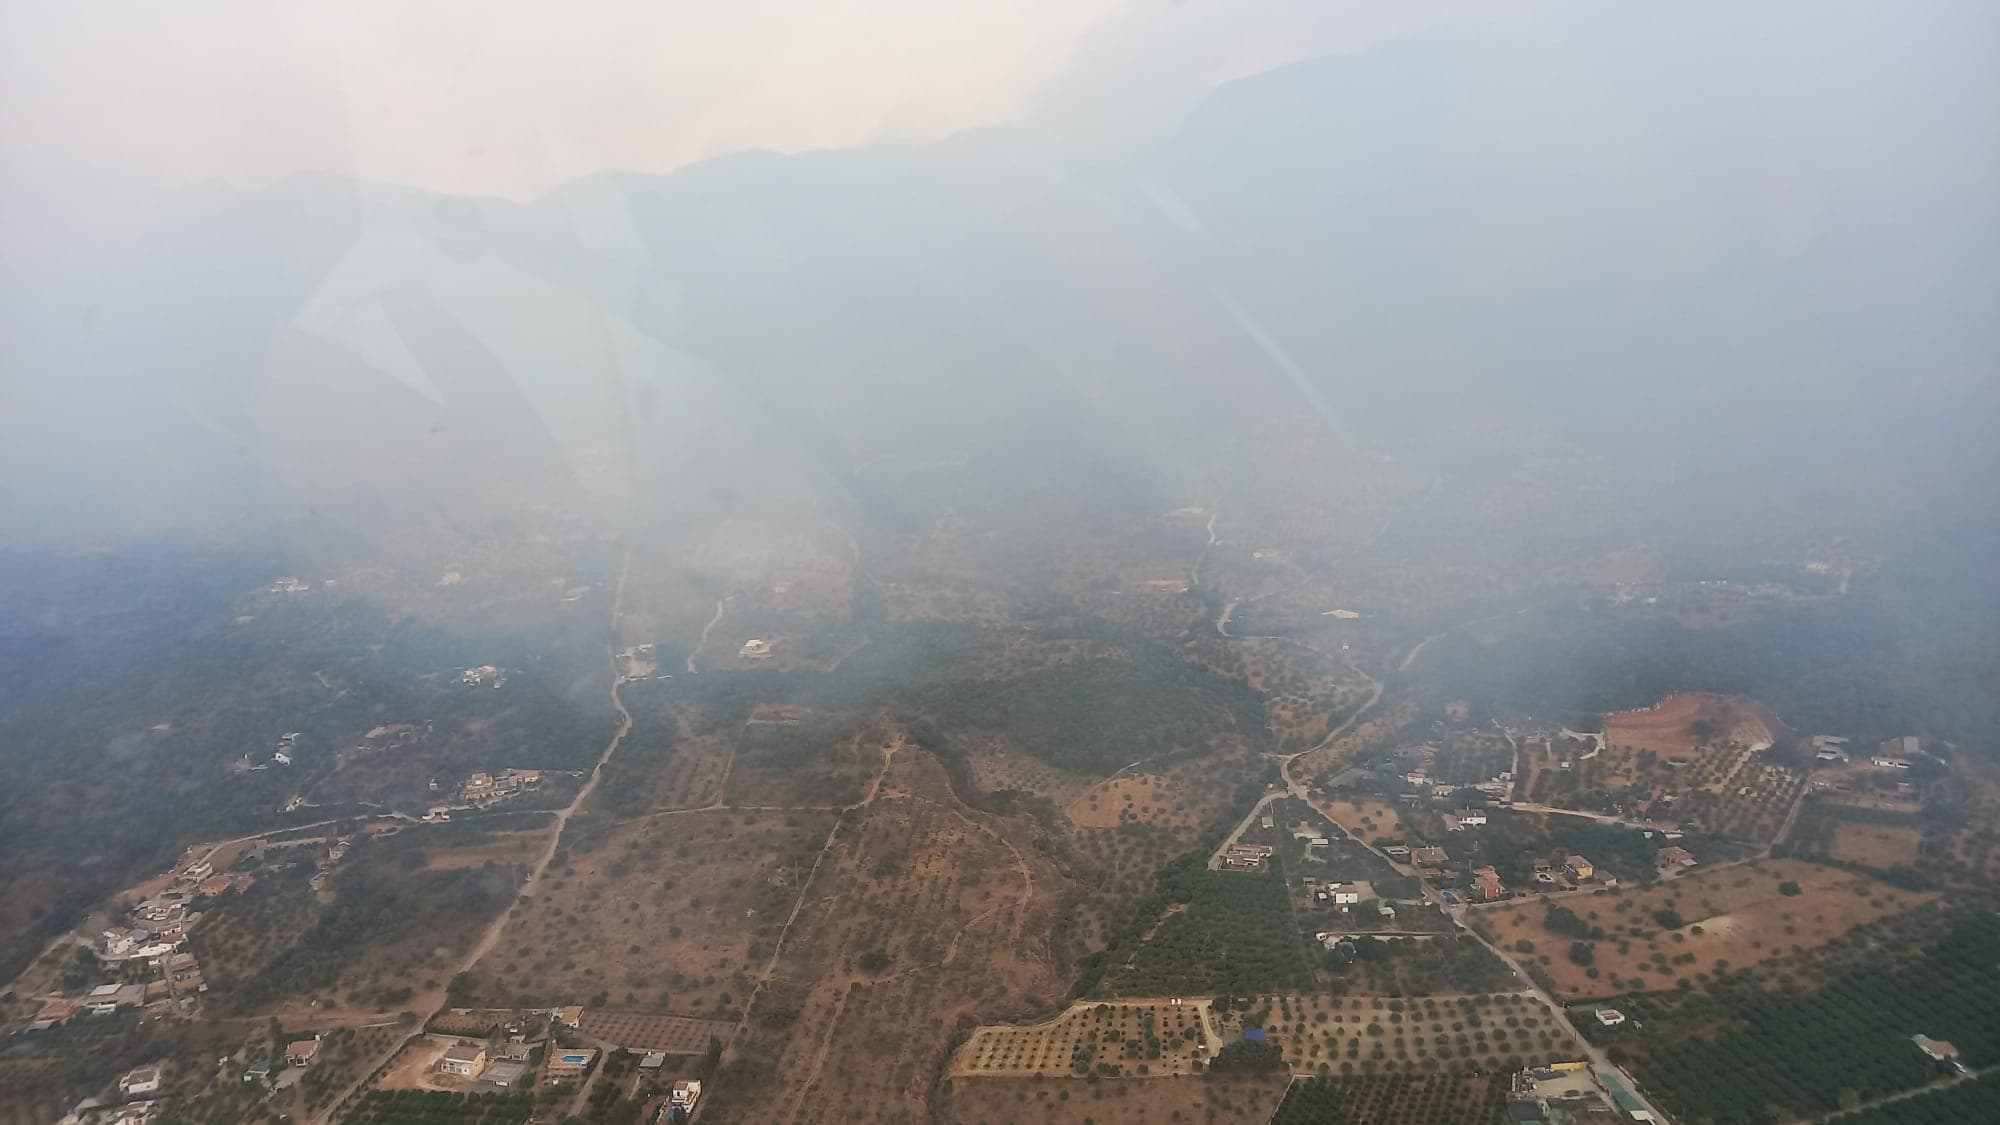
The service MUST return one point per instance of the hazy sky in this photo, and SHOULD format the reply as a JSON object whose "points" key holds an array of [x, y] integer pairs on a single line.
{"points": [[473, 96]]}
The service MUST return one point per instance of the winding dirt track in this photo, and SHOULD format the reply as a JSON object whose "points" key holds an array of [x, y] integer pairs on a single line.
{"points": [[441, 999]]}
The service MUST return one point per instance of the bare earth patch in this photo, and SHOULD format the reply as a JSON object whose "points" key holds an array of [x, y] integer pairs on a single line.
{"points": [[1734, 916]]}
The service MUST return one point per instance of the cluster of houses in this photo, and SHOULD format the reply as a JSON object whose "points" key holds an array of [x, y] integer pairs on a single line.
{"points": [[151, 933], [137, 1100], [485, 788], [483, 675], [1570, 872], [1418, 764], [482, 789]]}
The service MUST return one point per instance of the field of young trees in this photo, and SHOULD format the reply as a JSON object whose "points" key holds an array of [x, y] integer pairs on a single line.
{"points": [[1231, 932], [1846, 1043], [436, 1107], [1459, 1099]]}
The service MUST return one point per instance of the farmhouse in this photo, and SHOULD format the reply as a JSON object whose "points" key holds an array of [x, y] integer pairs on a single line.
{"points": [[108, 998], [466, 1060], [301, 1052], [1579, 868], [570, 1063], [1935, 1048], [1429, 857], [1487, 880], [140, 1081], [1609, 1017], [685, 1094], [1344, 894], [756, 648], [1672, 858]]}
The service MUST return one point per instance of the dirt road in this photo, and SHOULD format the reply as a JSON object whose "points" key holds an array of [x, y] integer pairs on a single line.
{"points": [[487, 940]]}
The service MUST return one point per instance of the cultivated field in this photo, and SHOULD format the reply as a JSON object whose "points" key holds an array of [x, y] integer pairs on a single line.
{"points": [[1141, 1036], [1057, 1101], [1319, 1035], [1693, 926], [653, 1031], [1435, 1034], [925, 916]]}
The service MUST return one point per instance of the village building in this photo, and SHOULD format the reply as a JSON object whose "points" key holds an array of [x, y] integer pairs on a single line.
{"points": [[1673, 858], [465, 1060], [1487, 881], [108, 998], [1609, 1017], [1579, 868], [1936, 1048], [301, 1052], [1429, 857], [570, 1063], [685, 1094], [756, 648], [140, 1081]]}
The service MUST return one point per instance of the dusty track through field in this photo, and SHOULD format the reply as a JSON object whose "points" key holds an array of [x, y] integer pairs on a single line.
{"points": [[499, 923]]}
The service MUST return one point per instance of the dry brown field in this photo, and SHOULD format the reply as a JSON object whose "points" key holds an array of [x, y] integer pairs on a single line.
{"points": [[412, 1067], [1667, 726], [505, 848], [1731, 917], [1367, 818], [653, 1031], [926, 916], [1138, 796], [1114, 1101], [1880, 846], [668, 910]]}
